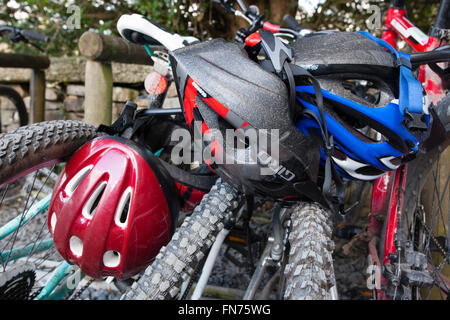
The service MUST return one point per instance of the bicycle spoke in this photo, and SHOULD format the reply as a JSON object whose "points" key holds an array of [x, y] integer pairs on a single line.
{"points": [[25, 240], [440, 201], [41, 262], [37, 185], [436, 212], [49, 174], [36, 241], [438, 280], [4, 194], [20, 223]]}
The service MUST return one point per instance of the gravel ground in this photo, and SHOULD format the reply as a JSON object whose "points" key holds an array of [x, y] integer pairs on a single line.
{"points": [[350, 270]]}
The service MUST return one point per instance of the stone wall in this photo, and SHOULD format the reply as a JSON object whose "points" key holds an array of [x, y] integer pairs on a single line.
{"points": [[64, 97]]}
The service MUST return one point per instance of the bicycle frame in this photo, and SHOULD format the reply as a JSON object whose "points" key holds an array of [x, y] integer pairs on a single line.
{"points": [[398, 26], [387, 192]]}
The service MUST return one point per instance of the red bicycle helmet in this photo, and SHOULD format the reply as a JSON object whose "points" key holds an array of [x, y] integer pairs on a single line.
{"points": [[113, 208]]}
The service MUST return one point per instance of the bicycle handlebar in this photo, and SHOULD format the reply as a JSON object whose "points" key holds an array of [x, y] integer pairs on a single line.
{"points": [[34, 35], [441, 54], [257, 21], [18, 34]]}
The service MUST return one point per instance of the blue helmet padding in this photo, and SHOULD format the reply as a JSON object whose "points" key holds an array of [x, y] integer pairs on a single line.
{"points": [[410, 89], [367, 152], [307, 123], [388, 115]]}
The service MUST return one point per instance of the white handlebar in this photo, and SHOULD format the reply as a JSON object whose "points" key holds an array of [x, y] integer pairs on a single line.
{"points": [[136, 22]]}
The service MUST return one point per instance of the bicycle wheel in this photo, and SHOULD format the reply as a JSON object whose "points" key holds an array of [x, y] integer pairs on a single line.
{"points": [[176, 263], [424, 224], [309, 273], [30, 159], [13, 113]]}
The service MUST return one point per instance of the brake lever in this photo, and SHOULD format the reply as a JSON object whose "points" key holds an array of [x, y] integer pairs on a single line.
{"points": [[15, 36]]}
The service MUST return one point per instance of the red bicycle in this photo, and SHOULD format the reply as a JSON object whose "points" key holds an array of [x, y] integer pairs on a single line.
{"points": [[415, 234]]}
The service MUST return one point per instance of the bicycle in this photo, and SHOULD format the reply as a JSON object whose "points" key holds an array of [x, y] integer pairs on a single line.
{"points": [[415, 59], [396, 195], [12, 104]]}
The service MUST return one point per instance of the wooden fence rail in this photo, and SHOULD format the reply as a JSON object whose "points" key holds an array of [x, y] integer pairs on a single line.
{"points": [[37, 82], [101, 50]]}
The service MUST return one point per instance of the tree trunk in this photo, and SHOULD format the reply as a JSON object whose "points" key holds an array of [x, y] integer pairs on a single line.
{"points": [[279, 8], [273, 11]]}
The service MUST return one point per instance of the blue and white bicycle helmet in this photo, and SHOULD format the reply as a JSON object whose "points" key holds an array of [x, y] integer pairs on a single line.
{"points": [[368, 89]]}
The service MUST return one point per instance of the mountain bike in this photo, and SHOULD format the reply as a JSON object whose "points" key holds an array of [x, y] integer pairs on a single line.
{"points": [[297, 254], [443, 106], [396, 197], [14, 113]]}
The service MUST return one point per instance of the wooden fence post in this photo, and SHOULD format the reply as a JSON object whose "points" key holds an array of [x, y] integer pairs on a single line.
{"points": [[37, 91], [98, 93], [101, 50], [37, 81]]}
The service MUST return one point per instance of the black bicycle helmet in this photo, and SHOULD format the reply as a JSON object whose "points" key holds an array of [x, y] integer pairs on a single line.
{"points": [[221, 88]]}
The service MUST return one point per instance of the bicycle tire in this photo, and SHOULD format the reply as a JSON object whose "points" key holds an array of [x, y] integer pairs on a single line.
{"points": [[177, 261], [309, 273], [14, 96], [38, 144], [28, 149]]}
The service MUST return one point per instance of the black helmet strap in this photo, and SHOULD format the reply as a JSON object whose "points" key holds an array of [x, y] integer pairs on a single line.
{"points": [[280, 57]]}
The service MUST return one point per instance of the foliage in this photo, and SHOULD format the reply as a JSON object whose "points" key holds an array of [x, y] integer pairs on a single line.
{"points": [[200, 18], [352, 15], [53, 17]]}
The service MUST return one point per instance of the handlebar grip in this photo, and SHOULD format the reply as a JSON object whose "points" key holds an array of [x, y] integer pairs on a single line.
{"points": [[292, 23], [34, 35], [437, 55]]}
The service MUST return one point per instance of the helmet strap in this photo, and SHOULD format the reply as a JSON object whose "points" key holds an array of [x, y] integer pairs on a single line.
{"points": [[280, 57]]}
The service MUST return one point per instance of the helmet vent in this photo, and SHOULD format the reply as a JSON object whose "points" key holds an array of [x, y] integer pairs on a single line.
{"points": [[93, 201], [111, 258], [76, 246], [363, 89], [123, 208], [53, 222], [76, 180]]}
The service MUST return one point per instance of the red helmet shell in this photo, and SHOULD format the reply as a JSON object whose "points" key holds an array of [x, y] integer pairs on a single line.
{"points": [[112, 209]]}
